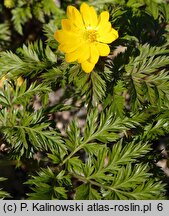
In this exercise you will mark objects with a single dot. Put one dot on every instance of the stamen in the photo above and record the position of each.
(90, 35)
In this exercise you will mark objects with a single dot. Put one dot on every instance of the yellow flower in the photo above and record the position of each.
(9, 3)
(2, 80)
(19, 81)
(84, 36)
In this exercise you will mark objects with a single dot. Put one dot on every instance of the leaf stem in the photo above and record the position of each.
(85, 180)
(109, 188)
(72, 153)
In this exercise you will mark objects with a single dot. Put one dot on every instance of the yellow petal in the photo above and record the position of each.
(94, 54)
(103, 18)
(68, 47)
(104, 27)
(85, 53)
(87, 66)
(94, 18)
(103, 49)
(66, 24)
(71, 57)
(81, 52)
(115, 33)
(89, 15)
(74, 15)
(108, 37)
(63, 36)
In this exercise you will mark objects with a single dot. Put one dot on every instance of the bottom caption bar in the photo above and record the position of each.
(83, 207)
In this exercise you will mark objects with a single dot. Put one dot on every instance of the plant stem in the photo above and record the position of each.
(72, 153)
(109, 188)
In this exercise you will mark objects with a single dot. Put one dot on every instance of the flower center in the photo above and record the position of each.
(90, 35)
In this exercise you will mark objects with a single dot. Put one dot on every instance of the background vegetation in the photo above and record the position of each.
(115, 137)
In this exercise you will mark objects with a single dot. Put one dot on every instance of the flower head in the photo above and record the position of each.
(9, 3)
(19, 81)
(84, 36)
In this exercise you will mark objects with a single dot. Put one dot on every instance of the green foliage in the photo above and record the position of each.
(23, 130)
(50, 185)
(117, 173)
(90, 85)
(145, 21)
(20, 16)
(3, 194)
(117, 100)
(4, 35)
(146, 77)
(118, 112)
(24, 11)
(29, 61)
